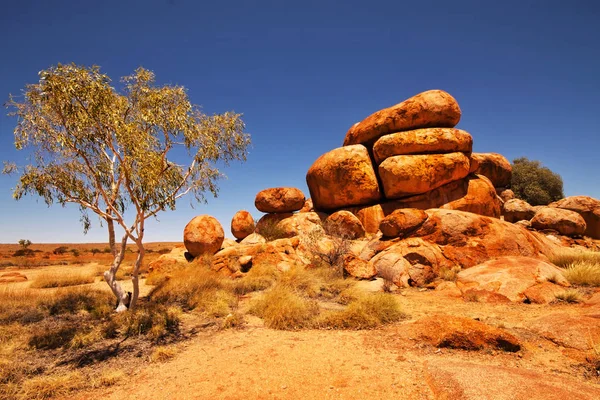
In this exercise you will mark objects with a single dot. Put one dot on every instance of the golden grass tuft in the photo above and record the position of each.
(366, 312)
(163, 353)
(449, 274)
(51, 386)
(565, 257)
(583, 273)
(108, 377)
(45, 281)
(569, 296)
(282, 308)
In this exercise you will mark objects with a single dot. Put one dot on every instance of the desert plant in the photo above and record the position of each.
(565, 257)
(282, 308)
(163, 353)
(449, 274)
(569, 296)
(90, 150)
(53, 281)
(61, 250)
(583, 273)
(327, 250)
(535, 183)
(271, 229)
(367, 312)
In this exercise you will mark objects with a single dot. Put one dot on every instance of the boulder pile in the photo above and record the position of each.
(408, 156)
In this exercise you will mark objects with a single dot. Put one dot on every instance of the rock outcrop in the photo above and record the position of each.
(494, 166)
(565, 222)
(434, 108)
(406, 156)
(518, 279)
(203, 235)
(242, 224)
(588, 208)
(515, 210)
(279, 200)
(402, 222)
(343, 177)
(345, 224)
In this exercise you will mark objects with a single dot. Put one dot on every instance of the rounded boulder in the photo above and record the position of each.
(203, 235)
(517, 210)
(565, 222)
(242, 224)
(494, 166)
(345, 224)
(279, 200)
(402, 222)
(422, 141)
(404, 176)
(433, 108)
(343, 177)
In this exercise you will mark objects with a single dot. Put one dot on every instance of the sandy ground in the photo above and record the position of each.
(260, 363)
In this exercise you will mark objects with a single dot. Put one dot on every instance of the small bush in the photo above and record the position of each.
(163, 353)
(71, 301)
(61, 250)
(282, 308)
(95, 250)
(55, 280)
(569, 296)
(271, 229)
(164, 251)
(583, 273)
(449, 274)
(367, 312)
(534, 183)
(154, 321)
(75, 252)
(330, 251)
(23, 253)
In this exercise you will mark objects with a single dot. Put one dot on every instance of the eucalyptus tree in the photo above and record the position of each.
(118, 153)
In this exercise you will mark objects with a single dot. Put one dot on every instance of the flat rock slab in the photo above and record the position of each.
(573, 331)
(469, 381)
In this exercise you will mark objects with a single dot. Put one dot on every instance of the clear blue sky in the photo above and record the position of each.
(525, 73)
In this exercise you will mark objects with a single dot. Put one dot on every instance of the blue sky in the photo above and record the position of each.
(525, 73)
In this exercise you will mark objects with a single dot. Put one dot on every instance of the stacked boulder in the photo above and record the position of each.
(405, 156)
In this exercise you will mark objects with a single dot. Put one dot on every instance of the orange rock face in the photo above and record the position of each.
(358, 268)
(512, 277)
(495, 167)
(434, 108)
(343, 177)
(402, 222)
(588, 208)
(517, 210)
(473, 194)
(404, 176)
(422, 141)
(203, 235)
(279, 200)
(565, 222)
(345, 224)
(242, 224)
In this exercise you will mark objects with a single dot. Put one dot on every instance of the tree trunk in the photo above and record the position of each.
(123, 298)
(135, 273)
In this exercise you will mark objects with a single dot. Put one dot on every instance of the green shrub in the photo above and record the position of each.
(61, 250)
(535, 183)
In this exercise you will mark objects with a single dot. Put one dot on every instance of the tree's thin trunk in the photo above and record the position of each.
(111, 236)
(135, 273)
(111, 274)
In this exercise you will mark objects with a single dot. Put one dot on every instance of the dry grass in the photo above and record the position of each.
(449, 274)
(108, 377)
(583, 273)
(567, 257)
(282, 308)
(45, 281)
(367, 312)
(163, 353)
(569, 296)
(52, 386)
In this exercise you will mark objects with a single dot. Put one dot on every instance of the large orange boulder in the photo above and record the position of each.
(344, 224)
(517, 210)
(422, 141)
(402, 222)
(242, 224)
(512, 277)
(588, 208)
(434, 108)
(474, 194)
(203, 235)
(565, 222)
(343, 177)
(469, 239)
(494, 166)
(403, 176)
(279, 200)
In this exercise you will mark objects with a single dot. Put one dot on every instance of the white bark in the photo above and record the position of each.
(110, 277)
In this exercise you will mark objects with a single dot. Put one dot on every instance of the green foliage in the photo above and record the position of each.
(535, 183)
(24, 243)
